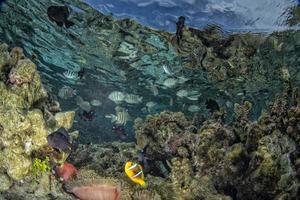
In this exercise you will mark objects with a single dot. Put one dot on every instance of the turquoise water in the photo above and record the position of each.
(95, 48)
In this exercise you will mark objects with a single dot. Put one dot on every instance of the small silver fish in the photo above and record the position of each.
(96, 102)
(182, 80)
(84, 105)
(167, 70)
(150, 105)
(182, 93)
(194, 108)
(193, 98)
(170, 82)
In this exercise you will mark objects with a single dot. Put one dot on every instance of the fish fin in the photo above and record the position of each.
(59, 23)
(68, 23)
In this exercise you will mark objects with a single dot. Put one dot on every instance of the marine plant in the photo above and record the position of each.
(39, 167)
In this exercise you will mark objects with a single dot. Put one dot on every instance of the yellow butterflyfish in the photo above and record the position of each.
(135, 172)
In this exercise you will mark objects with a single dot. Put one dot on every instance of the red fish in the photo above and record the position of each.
(66, 171)
(97, 192)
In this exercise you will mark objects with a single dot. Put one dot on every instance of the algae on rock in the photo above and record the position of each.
(22, 125)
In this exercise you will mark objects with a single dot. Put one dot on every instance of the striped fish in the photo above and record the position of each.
(135, 172)
(133, 99)
(116, 97)
(71, 75)
(121, 118)
(66, 92)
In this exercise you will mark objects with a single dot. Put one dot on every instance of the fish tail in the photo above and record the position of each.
(68, 23)
(108, 116)
(143, 184)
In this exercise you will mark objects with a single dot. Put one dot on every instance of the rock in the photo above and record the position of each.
(23, 127)
(65, 119)
(17, 165)
(5, 182)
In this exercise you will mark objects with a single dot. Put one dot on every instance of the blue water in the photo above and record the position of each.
(234, 15)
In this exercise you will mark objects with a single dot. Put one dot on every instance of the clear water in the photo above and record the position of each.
(59, 50)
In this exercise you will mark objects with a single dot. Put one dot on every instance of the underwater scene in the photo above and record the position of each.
(149, 100)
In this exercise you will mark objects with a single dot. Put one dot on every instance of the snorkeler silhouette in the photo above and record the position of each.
(179, 28)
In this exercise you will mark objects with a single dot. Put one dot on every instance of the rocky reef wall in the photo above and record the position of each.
(27, 115)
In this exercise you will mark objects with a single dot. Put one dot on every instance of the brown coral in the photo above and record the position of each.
(22, 73)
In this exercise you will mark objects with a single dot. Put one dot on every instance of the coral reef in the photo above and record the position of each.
(243, 160)
(187, 158)
(162, 134)
(23, 127)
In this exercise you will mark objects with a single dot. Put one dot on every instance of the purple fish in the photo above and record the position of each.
(60, 140)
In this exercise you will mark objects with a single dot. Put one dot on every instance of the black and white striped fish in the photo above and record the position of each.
(71, 75)
(121, 118)
(133, 99)
(116, 97)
